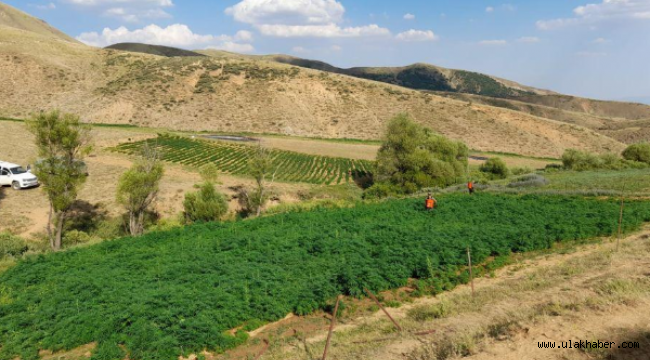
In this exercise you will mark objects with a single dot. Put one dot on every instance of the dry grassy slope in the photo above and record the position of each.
(14, 18)
(608, 109)
(251, 95)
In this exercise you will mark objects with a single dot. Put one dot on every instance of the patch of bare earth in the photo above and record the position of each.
(25, 212)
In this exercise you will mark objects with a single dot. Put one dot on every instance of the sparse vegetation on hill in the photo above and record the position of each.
(154, 50)
(180, 292)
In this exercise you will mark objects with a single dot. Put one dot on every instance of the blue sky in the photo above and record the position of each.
(592, 48)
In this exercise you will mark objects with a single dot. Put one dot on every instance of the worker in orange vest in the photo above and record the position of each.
(430, 202)
(470, 187)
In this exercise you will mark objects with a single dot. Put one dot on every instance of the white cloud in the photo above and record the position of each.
(244, 36)
(324, 31)
(601, 41)
(178, 35)
(528, 39)
(489, 9)
(162, 3)
(604, 11)
(287, 12)
(128, 10)
(417, 35)
(409, 16)
(493, 42)
(233, 47)
(299, 18)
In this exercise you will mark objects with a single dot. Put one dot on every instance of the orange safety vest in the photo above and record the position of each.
(430, 203)
(470, 185)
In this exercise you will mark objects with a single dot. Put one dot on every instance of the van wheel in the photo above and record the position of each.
(15, 185)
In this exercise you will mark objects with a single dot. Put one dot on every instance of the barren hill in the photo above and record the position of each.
(14, 18)
(435, 78)
(153, 49)
(233, 93)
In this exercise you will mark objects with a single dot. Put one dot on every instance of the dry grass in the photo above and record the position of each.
(257, 96)
(105, 169)
(589, 294)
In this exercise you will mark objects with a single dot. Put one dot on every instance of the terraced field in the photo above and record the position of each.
(233, 158)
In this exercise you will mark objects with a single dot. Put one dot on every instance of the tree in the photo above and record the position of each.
(62, 142)
(207, 204)
(261, 167)
(138, 187)
(638, 152)
(413, 156)
(495, 168)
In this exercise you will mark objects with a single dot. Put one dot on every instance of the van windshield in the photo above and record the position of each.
(18, 170)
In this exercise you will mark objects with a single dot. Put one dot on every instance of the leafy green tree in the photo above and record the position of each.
(261, 167)
(62, 142)
(638, 152)
(206, 204)
(413, 156)
(496, 168)
(138, 187)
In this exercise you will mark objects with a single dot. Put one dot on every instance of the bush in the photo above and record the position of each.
(638, 152)
(521, 170)
(495, 168)
(11, 246)
(75, 237)
(583, 161)
(205, 205)
(381, 190)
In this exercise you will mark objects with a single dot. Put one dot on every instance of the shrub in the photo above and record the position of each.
(11, 246)
(381, 190)
(205, 205)
(521, 170)
(638, 152)
(583, 161)
(495, 168)
(75, 237)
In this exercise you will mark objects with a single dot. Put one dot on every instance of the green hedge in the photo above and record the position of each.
(185, 288)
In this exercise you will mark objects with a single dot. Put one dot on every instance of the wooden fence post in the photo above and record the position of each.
(372, 296)
(471, 276)
(332, 324)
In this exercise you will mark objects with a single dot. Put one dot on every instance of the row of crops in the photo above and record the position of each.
(181, 291)
(232, 158)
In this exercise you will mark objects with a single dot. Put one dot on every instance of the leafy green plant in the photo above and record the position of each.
(184, 290)
(495, 168)
(638, 152)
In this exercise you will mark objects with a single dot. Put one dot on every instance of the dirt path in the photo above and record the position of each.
(588, 294)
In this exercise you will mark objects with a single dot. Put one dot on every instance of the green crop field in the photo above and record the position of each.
(232, 158)
(181, 291)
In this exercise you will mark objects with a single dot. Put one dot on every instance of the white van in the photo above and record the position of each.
(15, 176)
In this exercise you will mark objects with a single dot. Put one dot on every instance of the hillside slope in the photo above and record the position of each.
(153, 49)
(434, 78)
(14, 18)
(234, 94)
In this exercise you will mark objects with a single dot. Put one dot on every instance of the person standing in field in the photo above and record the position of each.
(430, 202)
(470, 187)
